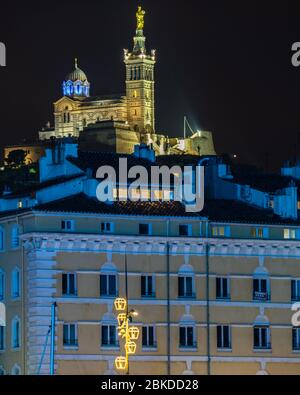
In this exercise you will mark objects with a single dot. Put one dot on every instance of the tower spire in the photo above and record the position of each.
(76, 63)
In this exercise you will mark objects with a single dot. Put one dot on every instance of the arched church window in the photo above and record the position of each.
(84, 122)
(139, 73)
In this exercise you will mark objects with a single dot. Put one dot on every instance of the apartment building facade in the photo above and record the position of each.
(212, 297)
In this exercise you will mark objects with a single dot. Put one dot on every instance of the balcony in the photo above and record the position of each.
(261, 296)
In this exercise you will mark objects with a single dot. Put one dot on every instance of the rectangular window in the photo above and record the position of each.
(222, 288)
(15, 240)
(16, 334)
(148, 339)
(109, 336)
(70, 335)
(69, 284)
(108, 285)
(147, 286)
(296, 339)
(260, 289)
(2, 328)
(185, 230)
(260, 233)
(186, 336)
(295, 290)
(185, 287)
(289, 233)
(1, 240)
(144, 229)
(262, 338)
(2, 285)
(106, 227)
(223, 337)
(218, 231)
(67, 225)
(16, 284)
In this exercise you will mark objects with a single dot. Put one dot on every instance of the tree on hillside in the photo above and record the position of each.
(16, 158)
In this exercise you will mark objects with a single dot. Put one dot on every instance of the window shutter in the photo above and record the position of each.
(218, 286)
(64, 284)
(256, 285)
(143, 286)
(182, 336)
(112, 334)
(293, 290)
(219, 337)
(103, 285)
(226, 336)
(151, 335)
(65, 334)
(189, 286)
(225, 287)
(256, 337)
(112, 285)
(104, 335)
(144, 336)
(150, 285)
(180, 286)
(190, 336)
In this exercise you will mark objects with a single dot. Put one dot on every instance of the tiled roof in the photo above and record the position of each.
(214, 210)
(101, 98)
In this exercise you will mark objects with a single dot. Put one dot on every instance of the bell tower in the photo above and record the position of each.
(140, 81)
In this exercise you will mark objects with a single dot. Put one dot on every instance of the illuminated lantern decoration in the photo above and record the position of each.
(120, 304)
(134, 333)
(121, 319)
(121, 363)
(130, 347)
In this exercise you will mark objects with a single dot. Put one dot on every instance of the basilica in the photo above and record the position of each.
(117, 123)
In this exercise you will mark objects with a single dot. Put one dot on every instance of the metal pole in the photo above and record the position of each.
(208, 310)
(168, 302)
(52, 351)
(44, 351)
(127, 316)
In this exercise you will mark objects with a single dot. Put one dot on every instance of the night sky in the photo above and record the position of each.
(224, 64)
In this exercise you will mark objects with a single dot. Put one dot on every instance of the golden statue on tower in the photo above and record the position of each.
(140, 15)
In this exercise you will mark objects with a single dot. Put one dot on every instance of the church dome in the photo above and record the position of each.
(76, 83)
(76, 75)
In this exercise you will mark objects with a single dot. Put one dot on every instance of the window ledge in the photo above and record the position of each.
(15, 349)
(296, 351)
(262, 350)
(110, 348)
(71, 348)
(149, 349)
(188, 349)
